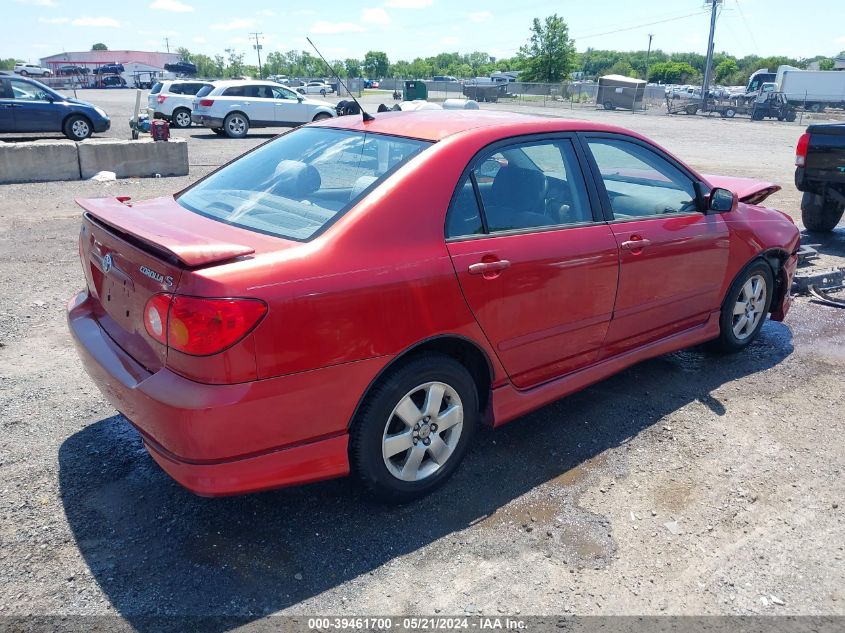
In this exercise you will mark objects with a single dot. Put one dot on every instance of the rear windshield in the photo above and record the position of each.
(156, 89)
(298, 184)
(205, 90)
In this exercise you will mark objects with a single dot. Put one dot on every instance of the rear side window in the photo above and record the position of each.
(156, 89)
(205, 90)
(295, 186)
(234, 91)
(523, 186)
(175, 89)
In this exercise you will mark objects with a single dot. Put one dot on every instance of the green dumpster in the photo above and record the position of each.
(415, 90)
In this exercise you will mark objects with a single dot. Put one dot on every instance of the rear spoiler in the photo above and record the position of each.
(748, 190)
(152, 228)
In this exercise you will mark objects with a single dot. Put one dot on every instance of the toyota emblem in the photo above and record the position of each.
(107, 263)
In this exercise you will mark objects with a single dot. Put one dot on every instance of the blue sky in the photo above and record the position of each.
(405, 29)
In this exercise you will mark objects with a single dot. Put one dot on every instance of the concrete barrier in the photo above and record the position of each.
(39, 161)
(133, 159)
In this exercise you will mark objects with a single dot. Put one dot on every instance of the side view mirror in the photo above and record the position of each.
(721, 200)
(300, 98)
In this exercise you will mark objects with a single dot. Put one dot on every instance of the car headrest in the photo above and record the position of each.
(295, 178)
(519, 188)
(360, 184)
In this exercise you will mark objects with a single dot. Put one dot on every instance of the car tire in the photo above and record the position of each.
(818, 214)
(744, 310)
(395, 440)
(181, 118)
(322, 92)
(77, 128)
(730, 113)
(321, 116)
(219, 131)
(236, 125)
(24, 73)
(608, 105)
(790, 116)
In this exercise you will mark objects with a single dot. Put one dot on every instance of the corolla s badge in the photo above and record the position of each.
(107, 263)
(162, 279)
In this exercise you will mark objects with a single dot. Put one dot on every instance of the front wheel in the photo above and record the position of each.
(321, 116)
(414, 428)
(235, 125)
(608, 105)
(730, 113)
(24, 73)
(745, 308)
(77, 128)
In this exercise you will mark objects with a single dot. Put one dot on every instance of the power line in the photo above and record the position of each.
(747, 27)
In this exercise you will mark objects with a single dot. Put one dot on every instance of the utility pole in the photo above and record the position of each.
(167, 43)
(257, 48)
(647, 56)
(709, 62)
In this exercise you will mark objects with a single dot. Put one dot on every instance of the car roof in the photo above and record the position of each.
(435, 125)
(243, 82)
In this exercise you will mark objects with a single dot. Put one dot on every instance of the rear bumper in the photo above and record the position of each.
(207, 121)
(228, 439)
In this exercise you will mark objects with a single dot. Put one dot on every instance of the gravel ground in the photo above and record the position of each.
(689, 484)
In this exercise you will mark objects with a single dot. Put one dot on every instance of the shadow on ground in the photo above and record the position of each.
(156, 549)
(832, 243)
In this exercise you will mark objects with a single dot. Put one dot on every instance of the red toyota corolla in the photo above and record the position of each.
(360, 295)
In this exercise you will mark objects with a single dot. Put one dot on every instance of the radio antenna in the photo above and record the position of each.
(366, 117)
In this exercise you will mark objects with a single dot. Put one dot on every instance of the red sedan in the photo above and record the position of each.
(361, 295)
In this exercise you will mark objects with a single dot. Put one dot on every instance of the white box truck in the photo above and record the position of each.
(813, 89)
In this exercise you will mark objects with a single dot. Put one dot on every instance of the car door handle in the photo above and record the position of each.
(636, 244)
(488, 267)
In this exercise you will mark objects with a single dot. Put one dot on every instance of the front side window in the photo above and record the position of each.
(281, 93)
(639, 182)
(527, 185)
(25, 91)
(298, 184)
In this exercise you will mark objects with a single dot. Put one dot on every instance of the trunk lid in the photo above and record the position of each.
(748, 190)
(130, 253)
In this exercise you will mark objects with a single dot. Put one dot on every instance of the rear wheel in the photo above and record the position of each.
(790, 116)
(745, 308)
(24, 73)
(608, 105)
(819, 214)
(235, 125)
(414, 428)
(77, 128)
(181, 118)
(692, 109)
(730, 113)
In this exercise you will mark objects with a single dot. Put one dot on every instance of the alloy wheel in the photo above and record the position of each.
(80, 129)
(236, 125)
(423, 431)
(183, 119)
(749, 307)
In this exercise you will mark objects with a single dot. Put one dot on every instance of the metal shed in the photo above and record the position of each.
(616, 91)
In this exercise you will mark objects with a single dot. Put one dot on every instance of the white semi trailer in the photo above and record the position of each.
(813, 89)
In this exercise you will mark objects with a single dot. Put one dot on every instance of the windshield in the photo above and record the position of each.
(298, 184)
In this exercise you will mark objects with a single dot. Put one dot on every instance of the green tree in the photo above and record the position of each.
(376, 65)
(236, 63)
(205, 65)
(353, 67)
(7, 64)
(672, 72)
(99, 46)
(826, 64)
(549, 55)
(622, 67)
(184, 54)
(219, 65)
(725, 70)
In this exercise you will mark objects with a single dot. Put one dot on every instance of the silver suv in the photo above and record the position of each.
(33, 70)
(232, 107)
(173, 101)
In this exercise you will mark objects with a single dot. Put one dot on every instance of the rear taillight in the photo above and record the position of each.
(801, 150)
(205, 103)
(161, 98)
(199, 326)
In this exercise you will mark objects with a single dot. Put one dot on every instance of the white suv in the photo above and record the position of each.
(173, 101)
(33, 70)
(232, 107)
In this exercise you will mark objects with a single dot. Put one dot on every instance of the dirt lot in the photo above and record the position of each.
(689, 484)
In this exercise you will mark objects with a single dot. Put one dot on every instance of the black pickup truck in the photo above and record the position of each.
(820, 174)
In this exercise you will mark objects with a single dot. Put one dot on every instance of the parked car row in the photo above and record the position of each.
(232, 107)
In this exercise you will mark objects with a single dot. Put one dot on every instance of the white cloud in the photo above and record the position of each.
(375, 16)
(479, 16)
(171, 5)
(101, 21)
(330, 28)
(54, 20)
(199, 39)
(234, 25)
(268, 12)
(38, 3)
(408, 4)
